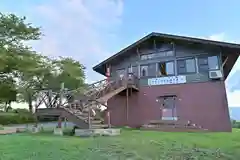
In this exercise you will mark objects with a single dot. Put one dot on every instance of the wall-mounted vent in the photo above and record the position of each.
(215, 74)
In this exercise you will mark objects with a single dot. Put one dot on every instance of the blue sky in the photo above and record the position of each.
(92, 30)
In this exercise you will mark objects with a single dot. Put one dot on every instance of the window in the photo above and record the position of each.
(135, 70)
(213, 62)
(203, 64)
(144, 57)
(120, 72)
(165, 68)
(130, 69)
(144, 70)
(208, 63)
(186, 66)
(158, 54)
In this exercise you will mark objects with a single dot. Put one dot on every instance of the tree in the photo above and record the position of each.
(14, 32)
(68, 71)
(31, 72)
(33, 76)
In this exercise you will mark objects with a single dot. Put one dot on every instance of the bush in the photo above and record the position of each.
(16, 118)
(18, 110)
(235, 124)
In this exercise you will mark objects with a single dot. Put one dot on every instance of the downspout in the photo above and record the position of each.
(139, 59)
(175, 59)
(108, 74)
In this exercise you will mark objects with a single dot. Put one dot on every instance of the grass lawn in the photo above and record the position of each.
(132, 144)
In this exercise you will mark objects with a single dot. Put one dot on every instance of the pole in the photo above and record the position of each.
(89, 118)
(127, 104)
(61, 94)
(108, 79)
(109, 119)
(59, 122)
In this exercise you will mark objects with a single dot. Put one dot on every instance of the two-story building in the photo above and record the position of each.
(180, 78)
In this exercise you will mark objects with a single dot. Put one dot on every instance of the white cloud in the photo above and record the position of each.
(82, 29)
(218, 37)
(232, 82)
(233, 98)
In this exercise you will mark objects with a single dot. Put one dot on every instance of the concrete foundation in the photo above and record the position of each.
(97, 132)
(58, 131)
(35, 129)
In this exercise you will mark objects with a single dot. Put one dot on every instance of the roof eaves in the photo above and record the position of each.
(124, 50)
(176, 37)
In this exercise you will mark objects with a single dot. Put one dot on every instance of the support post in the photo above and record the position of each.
(58, 130)
(108, 80)
(225, 61)
(109, 119)
(127, 104)
(61, 94)
(50, 95)
(59, 122)
(154, 44)
(65, 122)
(35, 114)
(89, 118)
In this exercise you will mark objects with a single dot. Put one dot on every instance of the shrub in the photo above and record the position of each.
(235, 124)
(16, 118)
(21, 111)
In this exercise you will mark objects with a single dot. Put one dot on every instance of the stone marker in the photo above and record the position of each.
(97, 132)
(58, 131)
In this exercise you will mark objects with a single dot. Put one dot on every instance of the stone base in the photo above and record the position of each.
(58, 131)
(35, 129)
(97, 132)
(20, 130)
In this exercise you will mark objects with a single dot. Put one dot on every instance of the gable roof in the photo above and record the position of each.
(101, 65)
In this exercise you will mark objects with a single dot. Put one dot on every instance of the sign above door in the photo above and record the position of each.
(167, 80)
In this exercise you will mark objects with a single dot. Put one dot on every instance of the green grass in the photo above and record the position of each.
(7, 114)
(132, 144)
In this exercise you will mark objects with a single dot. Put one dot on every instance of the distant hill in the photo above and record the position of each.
(234, 113)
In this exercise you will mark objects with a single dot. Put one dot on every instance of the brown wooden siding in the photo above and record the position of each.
(203, 103)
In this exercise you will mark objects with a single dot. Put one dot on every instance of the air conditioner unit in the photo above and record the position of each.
(215, 74)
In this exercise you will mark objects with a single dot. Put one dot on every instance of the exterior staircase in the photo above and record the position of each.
(173, 126)
(82, 108)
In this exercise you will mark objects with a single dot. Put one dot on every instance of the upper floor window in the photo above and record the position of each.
(160, 54)
(121, 72)
(144, 70)
(213, 62)
(208, 63)
(166, 68)
(130, 69)
(148, 70)
(186, 66)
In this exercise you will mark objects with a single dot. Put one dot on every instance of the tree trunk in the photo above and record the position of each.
(30, 106)
(8, 106)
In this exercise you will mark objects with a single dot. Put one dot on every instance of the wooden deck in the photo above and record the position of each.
(79, 111)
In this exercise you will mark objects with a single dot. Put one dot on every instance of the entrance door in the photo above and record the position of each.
(168, 107)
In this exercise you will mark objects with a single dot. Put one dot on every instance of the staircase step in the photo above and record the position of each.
(82, 114)
(99, 126)
(96, 122)
(169, 122)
